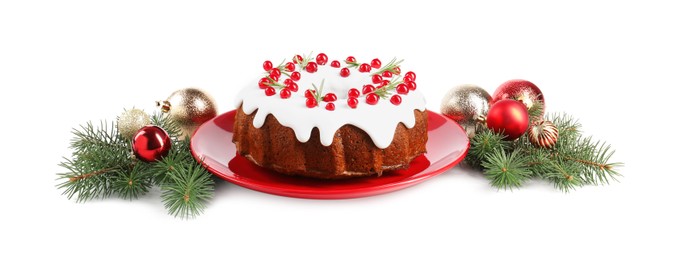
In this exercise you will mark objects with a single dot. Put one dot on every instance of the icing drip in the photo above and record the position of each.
(378, 121)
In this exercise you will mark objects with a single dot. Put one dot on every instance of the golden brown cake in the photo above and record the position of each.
(306, 117)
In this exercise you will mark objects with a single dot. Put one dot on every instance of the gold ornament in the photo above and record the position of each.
(543, 134)
(131, 121)
(467, 105)
(189, 107)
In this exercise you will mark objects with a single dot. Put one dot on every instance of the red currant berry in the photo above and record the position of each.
(387, 74)
(412, 86)
(376, 63)
(329, 97)
(353, 93)
(295, 76)
(345, 72)
(322, 59)
(402, 89)
(311, 102)
(293, 87)
(309, 93)
(335, 64)
(285, 93)
(372, 99)
(352, 102)
(350, 59)
(298, 59)
(270, 91)
(287, 82)
(267, 65)
(396, 100)
(290, 66)
(397, 71)
(330, 106)
(364, 67)
(376, 79)
(264, 82)
(275, 72)
(410, 74)
(311, 67)
(384, 83)
(408, 79)
(274, 77)
(368, 88)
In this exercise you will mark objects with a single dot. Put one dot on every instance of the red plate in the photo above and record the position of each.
(447, 146)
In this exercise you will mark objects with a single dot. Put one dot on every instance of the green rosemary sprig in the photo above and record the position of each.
(390, 66)
(386, 91)
(306, 58)
(317, 93)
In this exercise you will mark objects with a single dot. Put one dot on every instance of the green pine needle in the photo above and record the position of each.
(506, 171)
(187, 190)
(482, 144)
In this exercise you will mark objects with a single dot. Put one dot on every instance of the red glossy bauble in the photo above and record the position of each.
(508, 117)
(520, 90)
(151, 143)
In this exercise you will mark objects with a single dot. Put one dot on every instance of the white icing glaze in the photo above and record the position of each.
(378, 121)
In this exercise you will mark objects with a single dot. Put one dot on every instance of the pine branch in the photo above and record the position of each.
(506, 171)
(187, 190)
(483, 144)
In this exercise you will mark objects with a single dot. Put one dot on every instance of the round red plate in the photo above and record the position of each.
(447, 146)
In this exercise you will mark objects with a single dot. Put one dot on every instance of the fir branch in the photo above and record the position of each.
(187, 190)
(563, 176)
(482, 144)
(506, 171)
(132, 183)
(535, 111)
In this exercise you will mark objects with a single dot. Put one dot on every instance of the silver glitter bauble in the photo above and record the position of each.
(130, 121)
(467, 105)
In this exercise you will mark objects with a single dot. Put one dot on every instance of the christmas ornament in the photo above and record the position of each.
(508, 117)
(189, 107)
(131, 121)
(151, 143)
(466, 104)
(543, 134)
(520, 90)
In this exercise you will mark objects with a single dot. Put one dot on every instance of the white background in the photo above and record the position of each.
(612, 65)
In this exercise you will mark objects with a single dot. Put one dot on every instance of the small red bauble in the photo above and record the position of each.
(376, 79)
(295, 76)
(335, 64)
(330, 106)
(396, 100)
(508, 117)
(520, 90)
(387, 74)
(350, 59)
(311, 102)
(298, 59)
(368, 88)
(285, 93)
(353, 93)
(311, 67)
(151, 143)
(402, 89)
(364, 67)
(264, 83)
(410, 74)
(329, 97)
(376, 63)
(352, 102)
(270, 91)
(290, 66)
(372, 99)
(267, 65)
(322, 59)
(411, 86)
(345, 72)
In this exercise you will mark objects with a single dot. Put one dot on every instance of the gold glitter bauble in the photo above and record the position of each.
(543, 134)
(467, 105)
(189, 107)
(131, 121)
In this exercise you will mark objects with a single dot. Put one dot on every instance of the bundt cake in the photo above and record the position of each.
(331, 119)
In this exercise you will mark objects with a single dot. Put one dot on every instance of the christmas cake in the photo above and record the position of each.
(331, 119)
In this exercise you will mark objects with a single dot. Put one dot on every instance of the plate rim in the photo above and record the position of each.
(334, 193)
